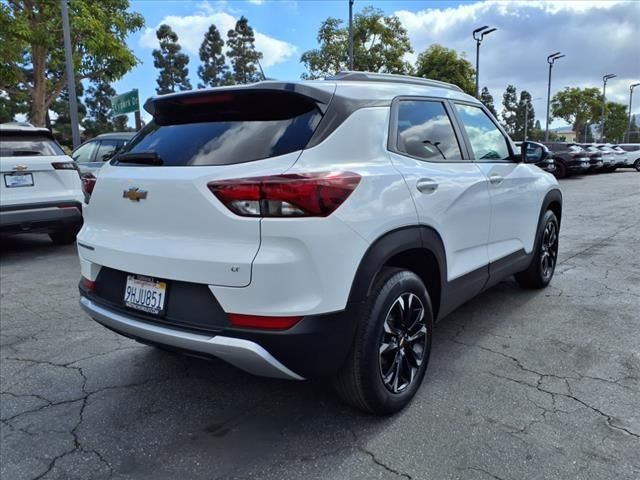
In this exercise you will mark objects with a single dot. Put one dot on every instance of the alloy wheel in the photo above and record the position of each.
(403, 343)
(549, 254)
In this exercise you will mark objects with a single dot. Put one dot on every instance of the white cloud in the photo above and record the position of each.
(256, 2)
(597, 38)
(191, 29)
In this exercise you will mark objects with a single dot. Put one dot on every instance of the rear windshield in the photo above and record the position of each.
(28, 146)
(224, 129)
(575, 148)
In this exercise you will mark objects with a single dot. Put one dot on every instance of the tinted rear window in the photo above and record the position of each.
(28, 146)
(227, 128)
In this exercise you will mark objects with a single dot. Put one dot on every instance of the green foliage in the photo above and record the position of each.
(379, 45)
(32, 53)
(510, 109)
(444, 64)
(172, 63)
(616, 122)
(61, 126)
(577, 106)
(98, 102)
(487, 99)
(242, 53)
(524, 111)
(213, 71)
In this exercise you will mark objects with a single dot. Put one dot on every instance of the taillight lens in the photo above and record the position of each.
(88, 184)
(88, 285)
(289, 195)
(266, 323)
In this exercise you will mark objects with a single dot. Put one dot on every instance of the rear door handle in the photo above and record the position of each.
(426, 185)
(495, 179)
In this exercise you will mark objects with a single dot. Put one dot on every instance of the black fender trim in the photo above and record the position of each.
(552, 196)
(389, 245)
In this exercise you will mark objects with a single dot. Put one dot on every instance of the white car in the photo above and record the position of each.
(40, 189)
(314, 229)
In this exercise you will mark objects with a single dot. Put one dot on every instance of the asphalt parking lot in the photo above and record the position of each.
(521, 385)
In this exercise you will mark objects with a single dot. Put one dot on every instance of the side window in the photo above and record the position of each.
(84, 154)
(487, 142)
(106, 150)
(425, 131)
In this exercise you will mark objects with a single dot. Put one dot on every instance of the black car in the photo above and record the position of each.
(569, 158)
(547, 163)
(92, 154)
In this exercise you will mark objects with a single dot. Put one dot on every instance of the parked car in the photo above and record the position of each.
(40, 187)
(615, 159)
(547, 163)
(633, 150)
(314, 229)
(569, 158)
(92, 154)
(594, 152)
(626, 157)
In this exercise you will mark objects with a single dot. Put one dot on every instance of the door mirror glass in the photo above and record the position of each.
(532, 152)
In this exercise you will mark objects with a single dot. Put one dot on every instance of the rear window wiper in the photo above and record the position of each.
(143, 158)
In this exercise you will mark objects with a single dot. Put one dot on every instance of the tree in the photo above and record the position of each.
(98, 101)
(536, 132)
(444, 64)
(32, 53)
(524, 111)
(379, 45)
(577, 106)
(213, 71)
(242, 53)
(61, 126)
(617, 122)
(509, 109)
(487, 99)
(172, 63)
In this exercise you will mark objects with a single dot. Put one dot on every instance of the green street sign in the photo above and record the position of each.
(125, 103)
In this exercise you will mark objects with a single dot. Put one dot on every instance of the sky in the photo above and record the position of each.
(597, 37)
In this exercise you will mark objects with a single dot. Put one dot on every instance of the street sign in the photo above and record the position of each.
(125, 103)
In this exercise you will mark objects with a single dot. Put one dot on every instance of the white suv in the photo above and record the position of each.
(40, 190)
(314, 229)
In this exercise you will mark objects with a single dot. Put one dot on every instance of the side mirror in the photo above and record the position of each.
(532, 152)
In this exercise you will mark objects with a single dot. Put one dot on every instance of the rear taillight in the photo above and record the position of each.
(290, 195)
(267, 323)
(64, 165)
(88, 285)
(88, 184)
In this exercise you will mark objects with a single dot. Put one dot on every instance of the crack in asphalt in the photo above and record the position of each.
(541, 376)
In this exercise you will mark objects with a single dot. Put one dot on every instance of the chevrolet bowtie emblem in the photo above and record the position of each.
(134, 194)
(20, 168)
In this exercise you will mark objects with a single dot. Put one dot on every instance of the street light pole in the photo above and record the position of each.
(71, 79)
(550, 59)
(351, 34)
(604, 101)
(478, 35)
(630, 103)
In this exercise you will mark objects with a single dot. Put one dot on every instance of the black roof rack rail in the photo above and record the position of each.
(390, 77)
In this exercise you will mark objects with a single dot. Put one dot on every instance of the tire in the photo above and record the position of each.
(64, 237)
(561, 169)
(360, 381)
(540, 271)
(636, 165)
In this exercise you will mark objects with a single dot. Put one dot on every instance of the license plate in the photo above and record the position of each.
(12, 180)
(146, 294)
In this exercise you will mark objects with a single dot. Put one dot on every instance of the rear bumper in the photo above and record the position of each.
(577, 165)
(46, 216)
(315, 347)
